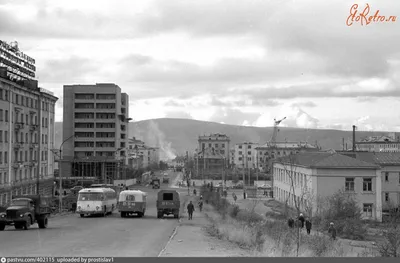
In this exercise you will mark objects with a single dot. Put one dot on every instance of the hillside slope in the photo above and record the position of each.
(176, 136)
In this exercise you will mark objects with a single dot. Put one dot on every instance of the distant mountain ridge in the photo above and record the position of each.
(176, 136)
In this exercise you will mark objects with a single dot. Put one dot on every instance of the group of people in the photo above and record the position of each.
(190, 207)
(306, 222)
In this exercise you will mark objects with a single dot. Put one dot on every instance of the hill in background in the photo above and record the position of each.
(176, 136)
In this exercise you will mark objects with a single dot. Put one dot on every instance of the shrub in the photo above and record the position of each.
(233, 211)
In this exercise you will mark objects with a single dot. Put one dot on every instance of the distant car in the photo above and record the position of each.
(165, 174)
(77, 188)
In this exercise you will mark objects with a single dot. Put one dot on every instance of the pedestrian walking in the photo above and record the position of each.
(194, 192)
(332, 231)
(308, 225)
(301, 219)
(291, 222)
(201, 205)
(244, 195)
(190, 208)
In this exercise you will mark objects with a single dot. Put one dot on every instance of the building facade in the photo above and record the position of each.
(246, 155)
(384, 143)
(266, 153)
(213, 155)
(95, 133)
(141, 155)
(318, 175)
(27, 134)
(390, 168)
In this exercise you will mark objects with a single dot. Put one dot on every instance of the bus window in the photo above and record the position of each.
(91, 197)
(130, 198)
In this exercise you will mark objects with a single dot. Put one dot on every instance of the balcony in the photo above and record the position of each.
(33, 145)
(33, 164)
(17, 145)
(17, 165)
(33, 127)
(18, 126)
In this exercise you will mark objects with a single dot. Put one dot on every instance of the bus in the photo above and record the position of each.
(100, 201)
(116, 188)
(132, 202)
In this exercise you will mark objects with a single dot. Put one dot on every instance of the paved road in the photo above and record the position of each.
(94, 236)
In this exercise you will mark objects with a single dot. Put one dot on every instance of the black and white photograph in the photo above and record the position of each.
(199, 129)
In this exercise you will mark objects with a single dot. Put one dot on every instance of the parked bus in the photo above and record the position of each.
(132, 202)
(101, 201)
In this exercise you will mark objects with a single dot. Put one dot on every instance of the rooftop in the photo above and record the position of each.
(326, 160)
(289, 145)
(380, 158)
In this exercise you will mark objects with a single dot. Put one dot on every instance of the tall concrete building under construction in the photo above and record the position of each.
(95, 133)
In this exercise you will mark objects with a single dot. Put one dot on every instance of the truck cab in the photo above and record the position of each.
(156, 183)
(25, 211)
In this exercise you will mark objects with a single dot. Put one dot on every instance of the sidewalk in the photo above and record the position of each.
(191, 240)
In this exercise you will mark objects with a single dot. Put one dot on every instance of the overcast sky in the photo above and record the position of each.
(239, 62)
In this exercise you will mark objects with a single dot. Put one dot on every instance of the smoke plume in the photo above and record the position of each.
(154, 137)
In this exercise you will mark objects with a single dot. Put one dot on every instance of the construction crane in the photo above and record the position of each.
(275, 132)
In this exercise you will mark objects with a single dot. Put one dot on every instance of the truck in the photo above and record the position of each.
(25, 211)
(156, 183)
(165, 180)
(168, 203)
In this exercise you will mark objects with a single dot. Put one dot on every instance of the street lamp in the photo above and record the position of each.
(60, 172)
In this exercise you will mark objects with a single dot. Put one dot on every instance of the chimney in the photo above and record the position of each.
(354, 138)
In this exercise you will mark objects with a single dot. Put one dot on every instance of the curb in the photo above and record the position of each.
(169, 240)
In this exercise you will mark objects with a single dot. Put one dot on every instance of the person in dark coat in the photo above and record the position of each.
(301, 219)
(291, 222)
(332, 231)
(190, 208)
(308, 225)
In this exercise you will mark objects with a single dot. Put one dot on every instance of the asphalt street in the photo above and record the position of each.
(111, 236)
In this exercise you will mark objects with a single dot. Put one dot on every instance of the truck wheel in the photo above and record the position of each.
(2, 227)
(159, 215)
(27, 223)
(82, 215)
(140, 214)
(18, 226)
(123, 214)
(43, 221)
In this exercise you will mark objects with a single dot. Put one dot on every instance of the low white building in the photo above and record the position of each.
(319, 175)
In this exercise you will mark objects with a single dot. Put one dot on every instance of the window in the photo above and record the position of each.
(6, 117)
(386, 197)
(1, 115)
(367, 185)
(349, 185)
(367, 210)
(399, 178)
(240, 146)
(386, 177)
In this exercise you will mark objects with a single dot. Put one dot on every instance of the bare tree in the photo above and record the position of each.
(390, 246)
(302, 198)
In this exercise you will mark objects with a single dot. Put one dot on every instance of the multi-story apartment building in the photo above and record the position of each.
(266, 153)
(213, 154)
(95, 132)
(27, 132)
(246, 155)
(141, 155)
(318, 175)
(384, 143)
(390, 168)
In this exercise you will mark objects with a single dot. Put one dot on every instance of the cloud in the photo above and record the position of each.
(295, 117)
(71, 69)
(232, 116)
(308, 104)
(178, 114)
